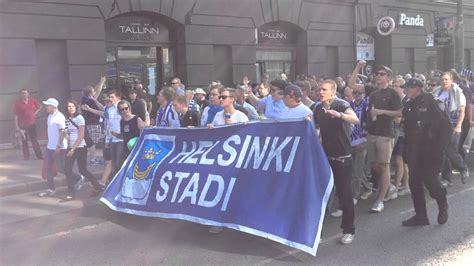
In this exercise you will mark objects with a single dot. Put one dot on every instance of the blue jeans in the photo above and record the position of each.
(50, 157)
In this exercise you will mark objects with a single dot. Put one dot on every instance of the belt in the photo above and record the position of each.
(341, 159)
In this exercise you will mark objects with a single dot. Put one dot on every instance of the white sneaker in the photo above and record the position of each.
(216, 229)
(404, 191)
(366, 194)
(391, 193)
(80, 183)
(377, 207)
(337, 213)
(347, 239)
(355, 202)
(47, 193)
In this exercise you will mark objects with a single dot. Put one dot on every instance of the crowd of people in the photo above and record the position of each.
(418, 124)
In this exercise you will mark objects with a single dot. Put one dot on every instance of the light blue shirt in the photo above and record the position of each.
(273, 109)
(300, 111)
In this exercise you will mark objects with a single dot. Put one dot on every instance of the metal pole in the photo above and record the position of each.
(459, 40)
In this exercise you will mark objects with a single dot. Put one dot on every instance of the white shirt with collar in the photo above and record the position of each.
(56, 123)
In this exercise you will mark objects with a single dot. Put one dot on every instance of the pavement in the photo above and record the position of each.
(18, 176)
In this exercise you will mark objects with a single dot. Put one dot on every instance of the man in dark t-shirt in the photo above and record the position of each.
(383, 107)
(333, 116)
(94, 130)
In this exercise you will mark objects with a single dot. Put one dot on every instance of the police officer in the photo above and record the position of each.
(427, 133)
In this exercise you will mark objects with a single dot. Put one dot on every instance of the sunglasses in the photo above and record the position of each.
(381, 74)
(279, 92)
(174, 83)
(223, 97)
(123, 109)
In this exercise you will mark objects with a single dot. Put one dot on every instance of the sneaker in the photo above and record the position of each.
(377, 207)
(455, 172)
(336, 213)
(216, 229)
(47, 193)
(443, 212)
(93, 161)
(67, 198)
(416, 221)
(391, 193)
(355, 202)
(366, 194)
(403, 191)
(80, 183)
(347, 239)
(446, 183)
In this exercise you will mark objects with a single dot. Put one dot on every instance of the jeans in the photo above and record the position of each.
(30, 132)
(80, 154)
(50, 157)
(342, 180)
(453, 159)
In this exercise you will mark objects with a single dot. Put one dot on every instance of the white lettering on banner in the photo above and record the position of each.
(249, 153)
(191, 190)
(411, 21)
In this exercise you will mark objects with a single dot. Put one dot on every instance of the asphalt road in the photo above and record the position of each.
(42, 231)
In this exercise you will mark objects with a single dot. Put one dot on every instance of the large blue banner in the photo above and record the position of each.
(268, 179)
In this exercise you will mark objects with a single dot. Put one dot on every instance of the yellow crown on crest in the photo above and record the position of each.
(150, 154)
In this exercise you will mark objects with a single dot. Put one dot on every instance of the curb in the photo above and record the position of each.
(36, 185)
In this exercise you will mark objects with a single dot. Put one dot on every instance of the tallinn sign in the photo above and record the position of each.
(136, 28)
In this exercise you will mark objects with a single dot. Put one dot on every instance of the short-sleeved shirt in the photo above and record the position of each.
(89, 117)
(300, 111)
(236, 117)
(335, 132)
(73, 131)
(56, 122)
(272, 109)
(26, 111)
(384, 99)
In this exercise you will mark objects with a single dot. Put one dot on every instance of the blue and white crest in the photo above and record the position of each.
(141, 169)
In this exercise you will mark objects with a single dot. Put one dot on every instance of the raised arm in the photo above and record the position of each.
(352, 81)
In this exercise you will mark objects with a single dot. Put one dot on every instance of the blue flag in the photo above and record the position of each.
(270, 179)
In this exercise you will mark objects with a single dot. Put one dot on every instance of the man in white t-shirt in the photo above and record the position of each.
(296, 109)
(57, 144)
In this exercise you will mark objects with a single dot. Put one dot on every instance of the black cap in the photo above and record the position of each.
(413, 83)
(279, 83)
(292, 90)
(384, 68)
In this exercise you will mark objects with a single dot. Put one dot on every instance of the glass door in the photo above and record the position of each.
(127, 65)
(275, 62)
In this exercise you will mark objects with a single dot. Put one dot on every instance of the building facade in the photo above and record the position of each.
(55, 48)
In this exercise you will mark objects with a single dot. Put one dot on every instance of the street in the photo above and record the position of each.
(42, 231)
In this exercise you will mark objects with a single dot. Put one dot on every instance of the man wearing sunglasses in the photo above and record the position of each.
(272, 106)
(384, 106)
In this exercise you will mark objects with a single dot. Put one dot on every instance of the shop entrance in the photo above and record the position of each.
(150, 66)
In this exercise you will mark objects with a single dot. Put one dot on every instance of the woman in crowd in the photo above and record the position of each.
(130, 126)
(75, 125)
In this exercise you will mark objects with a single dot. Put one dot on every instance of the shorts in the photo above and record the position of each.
(398, 149)
(106, 154)
(379, 149)
(95, 133)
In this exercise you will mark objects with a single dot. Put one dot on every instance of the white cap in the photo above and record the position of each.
(199, 90)
(51, 101)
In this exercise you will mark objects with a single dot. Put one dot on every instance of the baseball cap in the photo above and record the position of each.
(384, 68)
(292, 90)
(51, 101)
(413, 83)
(199, 90)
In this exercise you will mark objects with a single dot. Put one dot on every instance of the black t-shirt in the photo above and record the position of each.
(129, 129)
(335, 132)
(90, 118)
(385, 99)
(190, 118)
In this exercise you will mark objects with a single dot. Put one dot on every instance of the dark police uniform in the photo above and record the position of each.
(427, 133)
